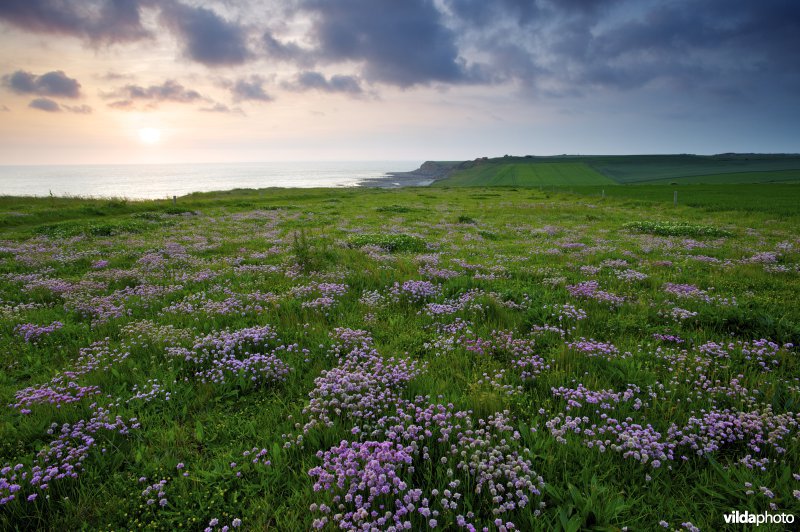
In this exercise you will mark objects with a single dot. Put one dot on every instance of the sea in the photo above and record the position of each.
(157, 181)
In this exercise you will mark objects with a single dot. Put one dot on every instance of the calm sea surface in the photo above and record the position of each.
(167, 180)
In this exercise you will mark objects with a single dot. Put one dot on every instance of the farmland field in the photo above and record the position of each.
(574, 170)
(424, 358)
(522, 174)
(776, 176)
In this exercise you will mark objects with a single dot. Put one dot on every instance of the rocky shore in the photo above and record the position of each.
(426, 174)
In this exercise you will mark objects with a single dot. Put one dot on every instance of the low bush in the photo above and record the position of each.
(676, 229)
(390, 242)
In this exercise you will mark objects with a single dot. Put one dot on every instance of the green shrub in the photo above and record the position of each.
(148, 215)
(389, 242)
(177, 210)
(109, 228)
(675, 229)
(394, 208)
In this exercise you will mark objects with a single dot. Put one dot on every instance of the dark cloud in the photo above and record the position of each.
(50, 84)
(250, 89)
(723, 37)
(399, 43)
(58, 84)
(45, 104)
(481, 12)
(169, 91)
(98, 21)
(310, 80)
(286, 51)
(21, 82)
(4, 109)
(525, 12)
(567, 47)
(206, 37)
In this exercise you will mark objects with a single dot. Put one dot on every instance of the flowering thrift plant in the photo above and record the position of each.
(415, 359)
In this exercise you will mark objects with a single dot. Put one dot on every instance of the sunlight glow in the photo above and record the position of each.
(149, 135)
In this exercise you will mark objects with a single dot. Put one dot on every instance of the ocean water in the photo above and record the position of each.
(154, 181)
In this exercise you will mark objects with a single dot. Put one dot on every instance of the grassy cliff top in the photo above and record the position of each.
(625, 169)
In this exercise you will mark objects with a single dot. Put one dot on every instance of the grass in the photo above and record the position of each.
(778, 198)
(478, 303)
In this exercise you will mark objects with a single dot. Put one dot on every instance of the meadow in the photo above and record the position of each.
(430, 358)
(776, 200)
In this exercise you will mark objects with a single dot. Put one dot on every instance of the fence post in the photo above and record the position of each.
(603, 194)
(675, 198)
(174, 200)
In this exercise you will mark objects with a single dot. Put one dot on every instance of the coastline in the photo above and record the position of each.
(396, 180)
(134, 182)
(159, 181)
(423, 176)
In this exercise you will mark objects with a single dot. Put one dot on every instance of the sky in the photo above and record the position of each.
(146, 81)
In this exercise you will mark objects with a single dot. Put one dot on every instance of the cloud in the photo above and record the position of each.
(52, 106)
(78, 109)
(97, 21)
(310, 80)
(206, 37)
(50, 84)
(113, 76)
(546, 47)
(4, 109)
(397, 43)
(222, 108)
(45, 104)
(123, 105)
(250, 89)
(169, 91)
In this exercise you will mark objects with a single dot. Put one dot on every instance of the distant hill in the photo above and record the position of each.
(574, 170)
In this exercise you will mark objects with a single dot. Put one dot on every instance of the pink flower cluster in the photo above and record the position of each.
(64, 456)
(31, 332)
(591, 290)
(224, 355)
(415, 291)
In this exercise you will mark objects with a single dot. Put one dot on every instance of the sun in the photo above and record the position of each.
(149, 135)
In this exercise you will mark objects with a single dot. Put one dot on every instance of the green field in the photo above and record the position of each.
(776, 199)
(644, 168)
(442, 357)
(526, 175)
(766, 176)
(626, 169)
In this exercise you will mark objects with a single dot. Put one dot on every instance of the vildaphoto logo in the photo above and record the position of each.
(746, 518)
